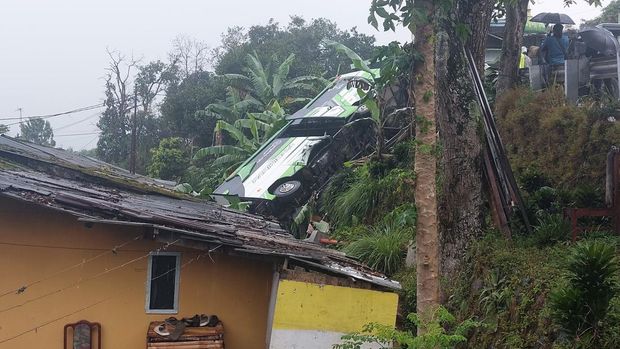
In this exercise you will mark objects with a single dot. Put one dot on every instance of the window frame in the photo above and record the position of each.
(177, 279)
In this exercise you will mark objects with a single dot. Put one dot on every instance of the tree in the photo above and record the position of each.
(130, 126)
(4, 128)
(273, 42)
(150, 82)
(609, 14)
(182, 102)
(170, 159)
(447, 159)
(425, 164)
(262, 85)
(190, 56)
(37, 131)
(260, 90)
(259, 126)
(516, 17)
(113, 143)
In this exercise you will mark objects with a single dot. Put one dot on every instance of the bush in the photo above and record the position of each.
(435, 337)
(580, 306)
(361, 196)
(532, 179)
(566, 143)
(383, 246)
(382, 249)
(170, 159)
(551, 229)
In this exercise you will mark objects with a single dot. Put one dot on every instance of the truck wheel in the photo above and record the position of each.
(287, 189)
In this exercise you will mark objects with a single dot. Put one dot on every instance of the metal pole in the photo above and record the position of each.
(132, 155)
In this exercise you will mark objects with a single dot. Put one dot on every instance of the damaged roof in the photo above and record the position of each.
(97, 192)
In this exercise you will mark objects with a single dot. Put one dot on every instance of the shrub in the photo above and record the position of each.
(579, 307)
(435, 337)
(532, 179)
(566, 143)
(364, 196)
(382, 248)
(551, 229)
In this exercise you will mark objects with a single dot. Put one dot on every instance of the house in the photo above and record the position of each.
(84, 240)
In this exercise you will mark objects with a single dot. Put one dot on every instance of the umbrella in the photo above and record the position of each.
(599, 39)
(552, 17)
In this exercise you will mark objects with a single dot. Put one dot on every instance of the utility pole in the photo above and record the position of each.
(132, 154)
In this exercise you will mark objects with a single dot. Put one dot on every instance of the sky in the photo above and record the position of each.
(53, 52)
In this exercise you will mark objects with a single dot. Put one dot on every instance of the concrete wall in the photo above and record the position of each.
(234, 288)
(315, 316)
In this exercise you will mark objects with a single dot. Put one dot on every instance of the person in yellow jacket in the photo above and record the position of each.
(524, 61)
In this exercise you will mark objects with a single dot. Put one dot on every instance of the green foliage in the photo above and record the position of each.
(274, 42)
(567, 144)
(262, 85)
(609, 14)
(436, 335)
(383, 246)
(247, 135)
(532, 179)
(551, 229)
(495, 294)
(364, 196)
(170, 159)
(580, 305)
(37, 131)
(183, 100)
(505, 285)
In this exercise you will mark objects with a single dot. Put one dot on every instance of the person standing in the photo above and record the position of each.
(554, 46)
(525, 61)
(553, 49)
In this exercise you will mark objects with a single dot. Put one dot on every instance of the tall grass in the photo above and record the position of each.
(382, 248)
(361, 197)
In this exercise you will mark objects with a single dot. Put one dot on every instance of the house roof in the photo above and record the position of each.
(97, 192)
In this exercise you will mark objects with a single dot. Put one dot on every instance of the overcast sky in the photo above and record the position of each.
(53, 52)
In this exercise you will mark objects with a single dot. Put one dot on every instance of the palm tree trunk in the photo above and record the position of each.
(425, 166)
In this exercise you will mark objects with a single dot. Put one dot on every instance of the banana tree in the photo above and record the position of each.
(247, 136)
(266, 84)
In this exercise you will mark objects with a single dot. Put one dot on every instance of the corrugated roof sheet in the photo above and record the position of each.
(95, 191)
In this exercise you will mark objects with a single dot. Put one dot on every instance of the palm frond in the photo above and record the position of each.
(229, 160)
(259, 78)
(218, 150)
(238, 81)
(259, 124)
(247, 103)
(281, 74)
(237, 134)
(221, 110)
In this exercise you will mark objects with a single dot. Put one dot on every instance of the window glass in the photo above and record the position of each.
(163, 279)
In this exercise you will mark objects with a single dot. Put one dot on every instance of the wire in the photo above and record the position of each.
(96, 303)
(81, 281)
(90, 107)
(54, 115)
(89, 142)
(78, 134)
(26, 286)
(77, 122)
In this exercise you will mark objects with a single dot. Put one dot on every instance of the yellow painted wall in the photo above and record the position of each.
(234, 288)
(308, 306)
